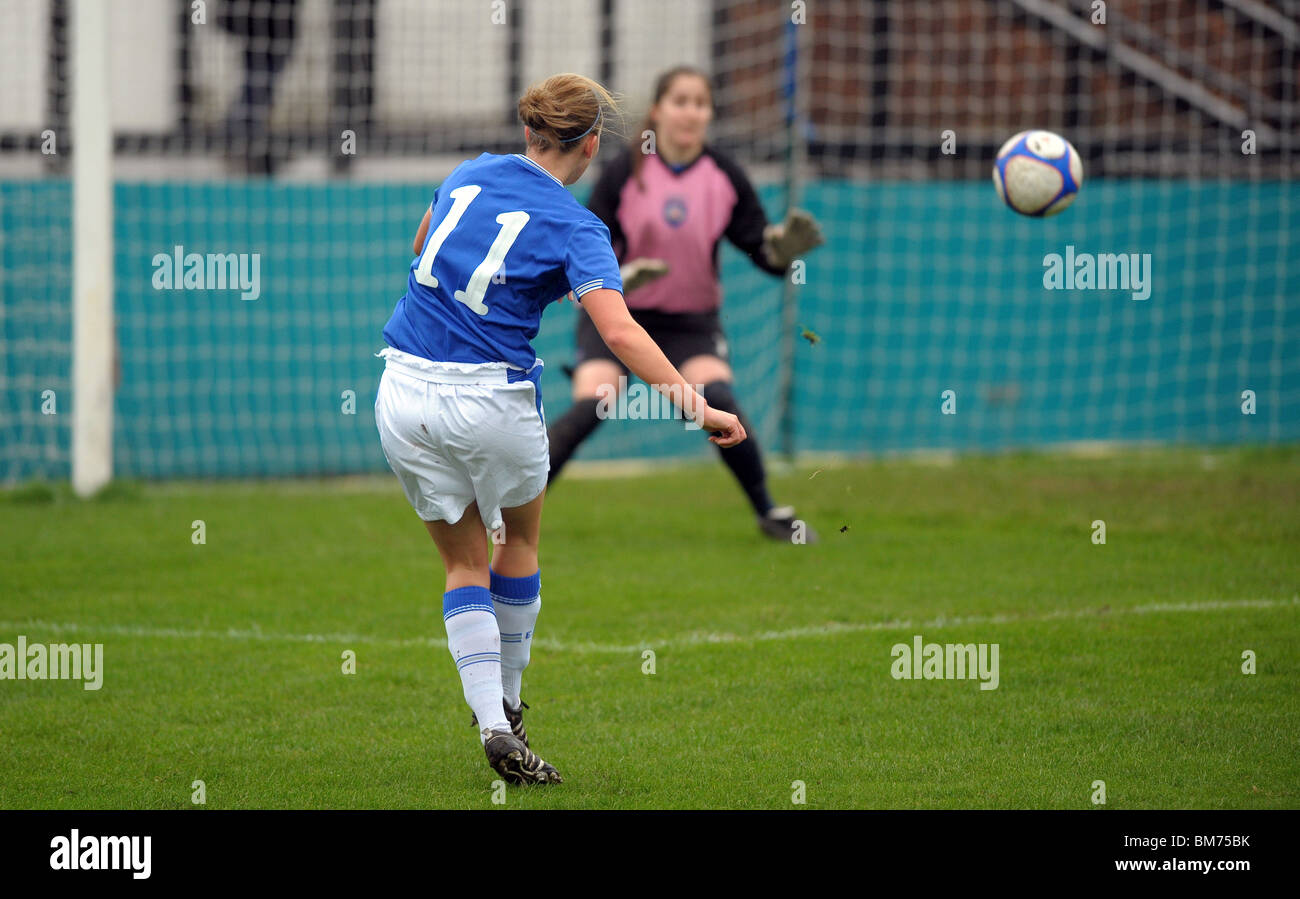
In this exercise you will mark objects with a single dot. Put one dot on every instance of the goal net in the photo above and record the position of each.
(291, 147)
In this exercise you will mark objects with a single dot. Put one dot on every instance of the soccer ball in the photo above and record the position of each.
(1038, 173)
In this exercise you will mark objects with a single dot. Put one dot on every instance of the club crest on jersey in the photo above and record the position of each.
(674, 211)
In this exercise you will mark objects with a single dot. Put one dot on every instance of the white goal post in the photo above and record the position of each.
(92, 251)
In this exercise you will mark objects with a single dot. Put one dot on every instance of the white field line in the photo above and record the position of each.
(681, 641)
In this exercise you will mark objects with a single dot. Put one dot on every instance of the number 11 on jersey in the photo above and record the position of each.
(511, 224)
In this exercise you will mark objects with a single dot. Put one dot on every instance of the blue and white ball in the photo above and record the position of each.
(1038, 173)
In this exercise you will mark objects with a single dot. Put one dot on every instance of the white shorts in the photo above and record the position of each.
(455, 433)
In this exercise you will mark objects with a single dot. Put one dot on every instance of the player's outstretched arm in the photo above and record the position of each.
(631, 344)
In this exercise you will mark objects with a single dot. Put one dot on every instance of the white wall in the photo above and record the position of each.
(436, 60)
(23, 49)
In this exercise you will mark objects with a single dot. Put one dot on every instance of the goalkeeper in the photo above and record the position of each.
(667, 212)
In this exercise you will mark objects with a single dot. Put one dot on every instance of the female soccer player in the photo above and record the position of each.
(459, 406)
(667, 211)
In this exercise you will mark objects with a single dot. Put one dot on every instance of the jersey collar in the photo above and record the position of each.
(539, 168)
(690, 165)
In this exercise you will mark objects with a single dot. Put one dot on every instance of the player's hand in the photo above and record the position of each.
(789, 240)
(729, 430)
(640, 272)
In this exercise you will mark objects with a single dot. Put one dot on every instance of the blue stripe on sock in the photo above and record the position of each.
(465, 599)
(516, 591)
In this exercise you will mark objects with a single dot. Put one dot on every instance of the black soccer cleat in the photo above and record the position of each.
(515, 762)
(780, 524)
(514, 716)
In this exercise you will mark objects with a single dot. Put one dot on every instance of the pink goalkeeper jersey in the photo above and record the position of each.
(680, 217)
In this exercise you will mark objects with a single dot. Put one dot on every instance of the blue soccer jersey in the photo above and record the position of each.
(505, 240)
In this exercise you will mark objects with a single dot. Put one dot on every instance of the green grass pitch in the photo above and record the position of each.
(1119, 662)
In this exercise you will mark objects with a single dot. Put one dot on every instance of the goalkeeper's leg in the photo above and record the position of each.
(576, 424)
(745, 460)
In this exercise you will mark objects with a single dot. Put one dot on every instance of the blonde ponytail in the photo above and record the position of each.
(565, 108)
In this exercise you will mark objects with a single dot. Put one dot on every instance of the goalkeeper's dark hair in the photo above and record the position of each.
(663, 84)
(565, 108)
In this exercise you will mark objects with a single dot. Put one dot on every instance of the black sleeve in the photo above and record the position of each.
(604, 199)
(748, 220)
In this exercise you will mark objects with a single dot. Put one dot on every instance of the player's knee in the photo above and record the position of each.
(596, 378)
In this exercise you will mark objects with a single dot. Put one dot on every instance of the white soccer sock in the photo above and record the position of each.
(475, 644)
(517, 601)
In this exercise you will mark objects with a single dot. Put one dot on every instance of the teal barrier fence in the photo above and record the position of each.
(922, 288)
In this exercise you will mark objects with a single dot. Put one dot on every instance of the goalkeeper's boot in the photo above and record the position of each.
(514, 716)
(780, 524)
(515, 762)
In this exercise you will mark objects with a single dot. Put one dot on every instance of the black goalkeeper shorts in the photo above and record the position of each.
(680, 335)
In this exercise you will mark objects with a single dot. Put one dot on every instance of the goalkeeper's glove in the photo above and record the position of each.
(640, 272)
(786, 242)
